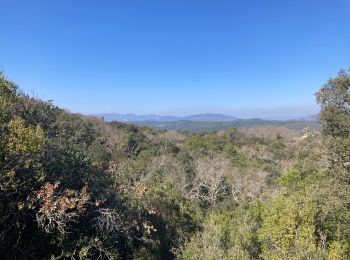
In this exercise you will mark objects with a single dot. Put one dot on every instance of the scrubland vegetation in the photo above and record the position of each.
(211, 126)
(75, 187)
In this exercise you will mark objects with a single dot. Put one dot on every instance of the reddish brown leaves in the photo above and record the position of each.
(140, 190)
(53, 201)
(58, 207)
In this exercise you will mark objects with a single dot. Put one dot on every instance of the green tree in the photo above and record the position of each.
(309, 219)
(334, 99)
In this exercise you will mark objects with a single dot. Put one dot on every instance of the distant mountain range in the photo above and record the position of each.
(156, 118)
(315, 117)
(209, 117)
(208, 122)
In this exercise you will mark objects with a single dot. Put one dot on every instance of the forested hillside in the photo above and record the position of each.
(212, 126)
(75, 187)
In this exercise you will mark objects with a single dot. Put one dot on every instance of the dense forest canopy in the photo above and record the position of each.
(75, 187)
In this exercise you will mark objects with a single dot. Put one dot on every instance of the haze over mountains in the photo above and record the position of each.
(200, 123)
(155, 118)
(208, 117)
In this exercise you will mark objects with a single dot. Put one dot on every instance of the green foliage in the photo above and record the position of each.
(287, 229)
(307, 223)
(204, 127)
(24, 139)
(295, 179)
(73, 186)
(227, 235)
(308, 219)
(334, 99)
(173, 217)
(210, 142)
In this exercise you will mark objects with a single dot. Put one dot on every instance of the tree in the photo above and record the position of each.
(309, 219)
(334, 99)
(227, 235)
(210, 182)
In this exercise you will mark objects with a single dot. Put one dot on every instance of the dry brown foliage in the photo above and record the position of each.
(57, 208)
(140, 190)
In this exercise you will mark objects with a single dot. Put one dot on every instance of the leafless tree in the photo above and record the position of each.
(109, 221)
(210, 182)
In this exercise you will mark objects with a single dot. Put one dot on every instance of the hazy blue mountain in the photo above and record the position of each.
(314, 117)
(209, 118)
(156, 118)
(136, 118)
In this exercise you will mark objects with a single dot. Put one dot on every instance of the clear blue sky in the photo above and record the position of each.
(178, 57)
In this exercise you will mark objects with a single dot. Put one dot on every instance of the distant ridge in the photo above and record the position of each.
(314, 117)
(209, 118)
(155, 118)
(200, 123)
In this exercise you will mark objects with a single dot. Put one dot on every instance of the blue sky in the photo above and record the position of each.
(176, 57)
